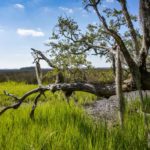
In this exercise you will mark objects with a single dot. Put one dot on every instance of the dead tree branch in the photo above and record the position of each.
(11, 95)
(101, 90)
(97, 89)
(35, 105)
(20, 100)
(41, 56)
(38, 71)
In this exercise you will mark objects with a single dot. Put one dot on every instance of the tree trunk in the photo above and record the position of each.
(119, 91)
(113, 65)
(142, 63)
(145, 23)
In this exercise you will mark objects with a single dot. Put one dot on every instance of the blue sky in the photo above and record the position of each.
(29, 23)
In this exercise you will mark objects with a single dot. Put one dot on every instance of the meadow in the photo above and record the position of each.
(59, 126)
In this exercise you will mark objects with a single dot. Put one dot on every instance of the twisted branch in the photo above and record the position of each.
(97, 89)
(20, 100)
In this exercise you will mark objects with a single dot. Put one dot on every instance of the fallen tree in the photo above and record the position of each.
(97, 89)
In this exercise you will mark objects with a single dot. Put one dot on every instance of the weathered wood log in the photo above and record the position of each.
(100, 90)
(97, 89)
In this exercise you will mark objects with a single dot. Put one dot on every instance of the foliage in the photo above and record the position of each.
(49, 76)
(90, 75)
(68, 40)
(59, 47)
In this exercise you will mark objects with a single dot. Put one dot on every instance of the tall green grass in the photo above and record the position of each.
(58, 126)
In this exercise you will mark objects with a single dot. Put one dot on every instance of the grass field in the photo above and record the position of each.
(58, 126)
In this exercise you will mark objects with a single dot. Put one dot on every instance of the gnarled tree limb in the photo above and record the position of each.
(130, 26)
(97, 89)
(43, 57)
(21, 99)
(134, 69)
(101, 90)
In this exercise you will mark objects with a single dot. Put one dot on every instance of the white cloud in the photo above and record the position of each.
(19, 6)
(67, 10)
(30, 32)
(110, 1)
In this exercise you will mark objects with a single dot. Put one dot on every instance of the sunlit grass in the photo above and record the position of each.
(58, 126)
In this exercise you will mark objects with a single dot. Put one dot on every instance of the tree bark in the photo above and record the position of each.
(134, 69)
(101, 90)
(130, 26)
(119, 91)
(113, 64)
(145, 21)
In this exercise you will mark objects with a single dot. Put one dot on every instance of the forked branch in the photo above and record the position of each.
(21, 99)
(41, 56)
(97, 89)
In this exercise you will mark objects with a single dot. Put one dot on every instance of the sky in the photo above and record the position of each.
(26, 24)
